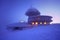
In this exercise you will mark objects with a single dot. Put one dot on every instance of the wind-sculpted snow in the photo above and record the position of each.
(49, 32)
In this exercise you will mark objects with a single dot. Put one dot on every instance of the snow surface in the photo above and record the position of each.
(50, 32)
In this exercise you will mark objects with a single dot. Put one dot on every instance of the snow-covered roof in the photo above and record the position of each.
(32, 11)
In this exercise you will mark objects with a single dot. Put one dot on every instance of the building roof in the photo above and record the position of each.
(32, 12)
(42, 16)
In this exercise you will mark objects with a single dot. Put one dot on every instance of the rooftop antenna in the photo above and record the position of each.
(31, 6)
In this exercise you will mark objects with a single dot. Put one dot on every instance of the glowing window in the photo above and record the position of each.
(40, 22)
(32, 22)
(45, 23)
(36, 23)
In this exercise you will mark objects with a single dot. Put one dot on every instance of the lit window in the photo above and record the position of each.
(32, 22)
(45, 23)
(36, 23)
(40, 22)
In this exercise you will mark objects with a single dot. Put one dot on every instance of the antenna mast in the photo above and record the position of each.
(31, 4)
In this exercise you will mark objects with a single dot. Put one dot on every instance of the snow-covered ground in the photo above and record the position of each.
(50, 32)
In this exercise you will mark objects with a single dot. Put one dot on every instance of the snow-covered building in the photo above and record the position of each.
(34, 17)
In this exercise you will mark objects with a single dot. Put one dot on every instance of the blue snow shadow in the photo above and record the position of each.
(50, 32)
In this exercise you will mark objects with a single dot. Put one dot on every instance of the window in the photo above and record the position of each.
(36, 23)
(45, 23)
(32, 22)
(40, 22)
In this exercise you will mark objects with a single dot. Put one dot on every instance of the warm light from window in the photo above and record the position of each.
(36, 23)
(40, 22)
(32, 22)
(45, 23)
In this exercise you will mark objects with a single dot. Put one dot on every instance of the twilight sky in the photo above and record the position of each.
(14, 11)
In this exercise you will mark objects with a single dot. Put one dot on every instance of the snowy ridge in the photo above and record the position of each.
(50, 32)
